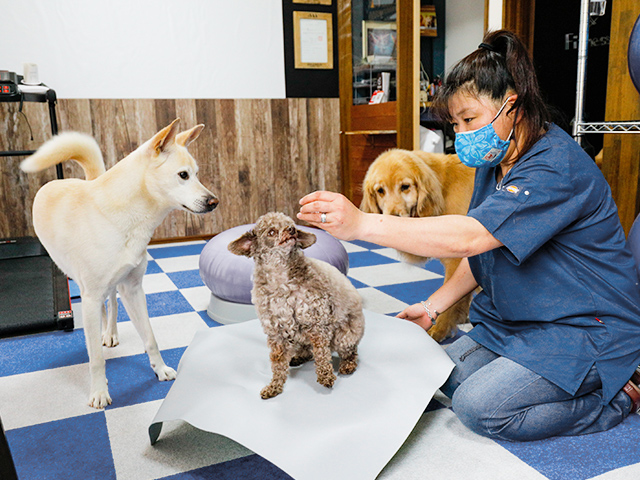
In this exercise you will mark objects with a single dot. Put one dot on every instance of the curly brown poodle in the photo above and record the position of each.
(307, 307)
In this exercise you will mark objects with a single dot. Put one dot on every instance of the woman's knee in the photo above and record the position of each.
(474, 408)
(488, 402)
(468, 357)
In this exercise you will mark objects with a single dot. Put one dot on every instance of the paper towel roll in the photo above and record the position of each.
(31, 74)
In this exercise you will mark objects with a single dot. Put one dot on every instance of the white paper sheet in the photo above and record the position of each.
(313, 433)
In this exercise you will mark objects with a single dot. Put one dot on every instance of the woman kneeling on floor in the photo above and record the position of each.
(556, 325)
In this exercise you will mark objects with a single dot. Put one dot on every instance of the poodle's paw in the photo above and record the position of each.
(164, 372)
(110, 339)
(347, 367)
(327, 380)
(271, 391)
(99, 399)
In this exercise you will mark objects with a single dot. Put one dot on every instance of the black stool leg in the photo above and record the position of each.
(52, 99)
(7, 468)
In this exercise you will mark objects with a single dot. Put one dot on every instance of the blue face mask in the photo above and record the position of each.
(482, 147)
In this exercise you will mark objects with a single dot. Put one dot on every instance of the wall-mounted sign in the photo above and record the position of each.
(313, 40)
(428, 23)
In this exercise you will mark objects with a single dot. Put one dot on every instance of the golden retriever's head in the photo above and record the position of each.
(400, 182)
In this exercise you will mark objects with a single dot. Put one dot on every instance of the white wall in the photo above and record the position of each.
(148, 48)
(176, 49)
(494, 19)
(464, 29)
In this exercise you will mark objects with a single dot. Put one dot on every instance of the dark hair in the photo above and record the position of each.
(500, 64)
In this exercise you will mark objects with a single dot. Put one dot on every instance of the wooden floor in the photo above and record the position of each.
(255, 155)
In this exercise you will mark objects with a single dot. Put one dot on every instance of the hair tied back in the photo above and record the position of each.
(486, 46)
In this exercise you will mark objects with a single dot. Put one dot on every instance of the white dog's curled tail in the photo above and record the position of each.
(68, 146)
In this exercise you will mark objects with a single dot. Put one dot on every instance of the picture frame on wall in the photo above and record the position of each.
(313, 40)
(314, 2)
(379, 41)
(428, 21)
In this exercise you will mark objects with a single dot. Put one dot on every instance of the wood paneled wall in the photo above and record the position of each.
(255, 155)
(621, 152)
(408, 74)
(519, 17)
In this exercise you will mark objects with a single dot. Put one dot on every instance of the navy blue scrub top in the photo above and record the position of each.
(562, 293)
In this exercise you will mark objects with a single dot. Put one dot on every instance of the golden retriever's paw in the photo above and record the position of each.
(437, 336)
(440, 334)
(99, 399)
(110, 340)
(271, 391)
(165, 373)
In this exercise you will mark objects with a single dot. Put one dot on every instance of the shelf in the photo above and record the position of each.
(608, 127)
(374, 67)
(370, 132)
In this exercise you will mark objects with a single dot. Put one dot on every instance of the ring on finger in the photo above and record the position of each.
(323, 218)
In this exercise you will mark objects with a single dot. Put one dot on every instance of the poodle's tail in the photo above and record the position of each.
(68, 146)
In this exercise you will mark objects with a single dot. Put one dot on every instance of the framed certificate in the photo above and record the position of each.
(313, 40)
(315, 2)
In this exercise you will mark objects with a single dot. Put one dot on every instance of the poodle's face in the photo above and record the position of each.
(273, 232)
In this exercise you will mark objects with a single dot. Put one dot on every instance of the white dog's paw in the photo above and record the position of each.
(110, 339)
(165, 373)
(99, 399)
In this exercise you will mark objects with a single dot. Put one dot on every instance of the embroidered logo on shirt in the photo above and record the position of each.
(512, 189)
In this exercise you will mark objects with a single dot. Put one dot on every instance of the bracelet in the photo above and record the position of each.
(431, 317)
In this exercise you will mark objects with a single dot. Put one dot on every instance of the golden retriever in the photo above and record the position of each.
(420, 184)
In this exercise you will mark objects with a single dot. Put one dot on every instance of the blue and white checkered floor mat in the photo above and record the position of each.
(44, 381)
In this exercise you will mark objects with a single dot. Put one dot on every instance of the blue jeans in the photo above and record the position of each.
(497, 398)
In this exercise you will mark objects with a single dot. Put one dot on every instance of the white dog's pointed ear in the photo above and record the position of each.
(242, 246)
(165, 137)
(305, 239)
(185, 138)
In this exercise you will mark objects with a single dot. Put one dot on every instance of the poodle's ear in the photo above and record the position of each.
(242, 246)
(305, 239)
(369, 203)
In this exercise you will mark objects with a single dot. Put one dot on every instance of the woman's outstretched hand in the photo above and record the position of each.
(416, 314)
(342, 218)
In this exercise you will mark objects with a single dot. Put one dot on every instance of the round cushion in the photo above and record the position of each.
(633, 54)
(229, 276)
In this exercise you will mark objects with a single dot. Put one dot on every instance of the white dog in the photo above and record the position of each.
(97, 230)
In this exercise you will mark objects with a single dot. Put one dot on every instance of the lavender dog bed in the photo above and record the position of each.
(229, 276)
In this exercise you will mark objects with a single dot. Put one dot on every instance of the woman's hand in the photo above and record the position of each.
(343, 220)
(416, 314)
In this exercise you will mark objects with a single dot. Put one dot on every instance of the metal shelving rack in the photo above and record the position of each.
(589, 8)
